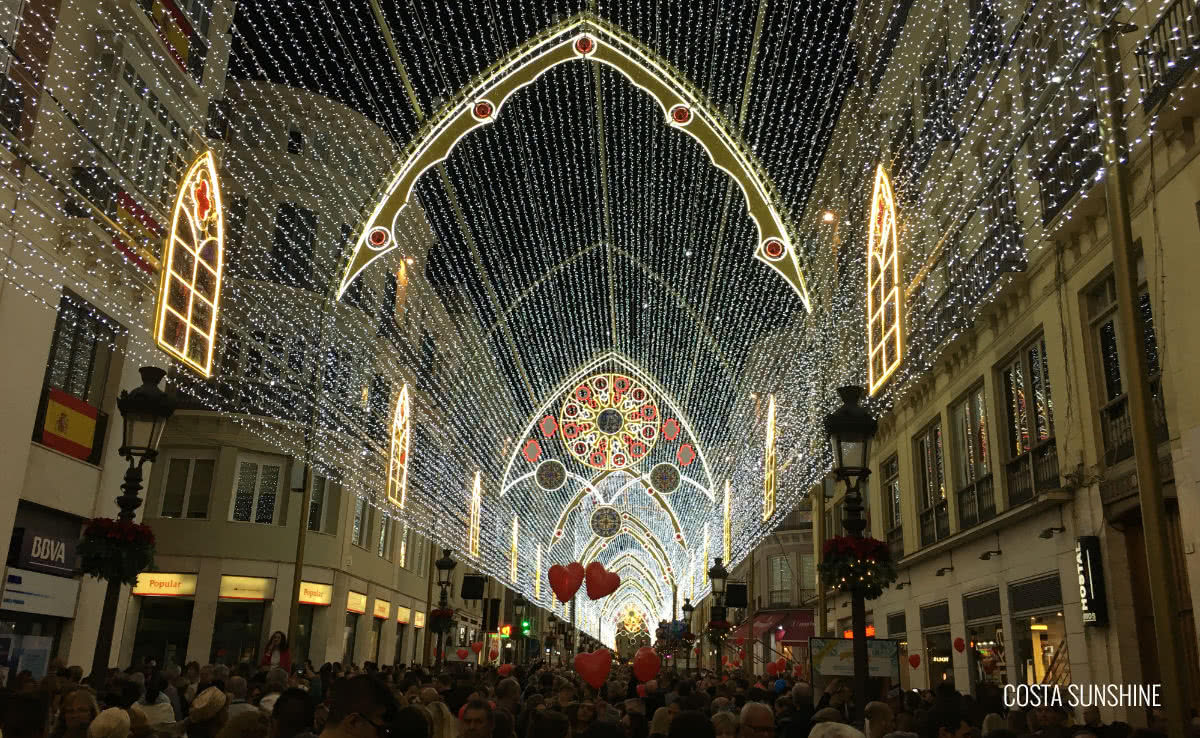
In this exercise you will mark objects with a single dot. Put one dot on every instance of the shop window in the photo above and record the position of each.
(187, 486)
(295, 140)
(1031, 457)
(361, 521)
(349, 633)
(779, 571)
(237, 632)
(972, 468)
(1040, 648)
(163, 626)
(931, 485)
(318, 504)
(1112, 365)
(256, 490)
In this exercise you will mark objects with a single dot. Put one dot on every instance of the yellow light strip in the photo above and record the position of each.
(589, 38)
(512, 551)
(189, 292)
(397, 489)
(884, 336)
(474, 520)
(404, 547)
(537, 572)
(769, 464)
(728, 533)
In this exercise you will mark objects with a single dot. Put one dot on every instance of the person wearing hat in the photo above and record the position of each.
(208, 713)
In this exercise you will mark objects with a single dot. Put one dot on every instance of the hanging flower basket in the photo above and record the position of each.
(116, 550)
(857, 565)
(717, 630)
(441, 620)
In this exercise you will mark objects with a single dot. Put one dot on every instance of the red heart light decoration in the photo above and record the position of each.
(594, 667)
(914, 660)
(462, 654)
(959, 645)
(566, 580)
(477, 646)
(600, 582)
(504, 669)
(646, 664)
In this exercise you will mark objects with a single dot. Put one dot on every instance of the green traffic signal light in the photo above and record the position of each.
(524, 627)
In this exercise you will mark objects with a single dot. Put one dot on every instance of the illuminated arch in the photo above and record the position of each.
(189, 293)
(629, 559)
(397, 489)
(589, 489)
(584, 37)
(884, 340)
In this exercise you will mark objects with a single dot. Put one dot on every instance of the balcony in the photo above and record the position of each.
(976, 502)
(1032, 472)
(935, 523)
(895, 542)
(1169, 52)
(780, 598)
(1118, 434)
(1070, 164)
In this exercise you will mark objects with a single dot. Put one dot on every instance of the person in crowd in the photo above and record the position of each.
(276, 652)
(634, 725)
(238, 702)
(503, 724)
(25, 713)
(154, 702)
(111, 723)
(756, 720)
(828, 715)
(414, 720)
(360, 707)
(725, 725)
(207, 713)
(691, 724)
(442, 723)
(476, 720)
(429, 695)
(508, 695)
(246, 725)
(660, 726)
(945, 721)
(879, 719)
(1092, 720)
(834, 729)
(839, 696)
(77, 710)
(276, 682)
(549, 724)
(293, 715)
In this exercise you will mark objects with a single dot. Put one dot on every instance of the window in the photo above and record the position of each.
(187, 487)
(318, 503)
(931, 485)
(81, 350)
(384, 548)
(890, 472)
(256, 490)
(779, 573)
(361, 521)
(235, 235)
(295, 234)
(378, 404)
(972, 470)
(1031, 457)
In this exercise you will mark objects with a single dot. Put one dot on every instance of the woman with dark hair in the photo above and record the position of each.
(276, 652)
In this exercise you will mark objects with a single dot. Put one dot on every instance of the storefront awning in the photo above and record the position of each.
(797, 627)
(760, 624)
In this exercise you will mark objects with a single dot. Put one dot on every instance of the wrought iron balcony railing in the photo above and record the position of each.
(1034, 471)
(1118, 434)
(1070, 164)
(976, 502)
(935, 523)
(895, 542)
(1169, 51)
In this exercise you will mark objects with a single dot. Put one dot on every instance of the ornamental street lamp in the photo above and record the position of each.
(717, 575)
(521, 634)
(144, 414)
(850, 429)
(688, 609)
(445, 568)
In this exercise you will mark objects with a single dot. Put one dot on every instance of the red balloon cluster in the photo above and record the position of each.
(504, 669)
(462, 654)
(477, 646)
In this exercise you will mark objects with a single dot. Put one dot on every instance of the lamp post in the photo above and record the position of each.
(519, 604)
(850, 429)
(687, 619)
(445, 567)
(144, 414)
(717, 575)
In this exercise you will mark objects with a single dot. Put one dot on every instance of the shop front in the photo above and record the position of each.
(356, 605)
(381, 612)
(935, 632)
(1039, 632)
(312, 597)
(985, 646)
(897, 629)
(40, 590)
(403, 618)
(242, 604)
(165, 602)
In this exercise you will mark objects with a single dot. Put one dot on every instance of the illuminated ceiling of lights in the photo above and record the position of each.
(579, 234)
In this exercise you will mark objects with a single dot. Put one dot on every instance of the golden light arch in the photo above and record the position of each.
(584, 37)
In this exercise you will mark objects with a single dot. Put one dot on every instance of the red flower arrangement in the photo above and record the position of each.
(717, 630)
(857, 564)
(116, 549)
(441, 619)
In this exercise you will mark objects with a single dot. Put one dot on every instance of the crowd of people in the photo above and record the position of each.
(536, 701)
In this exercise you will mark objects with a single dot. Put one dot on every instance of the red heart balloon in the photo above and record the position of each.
(782, 663)
(697, 650)
(594, 667)
(504, 670)
(493, 654)
(564, 582)
(741, 641)
(914, 660)
(641, 690)
(477, 646)
(772, 668)
(600, 582)
(462, 654)
(725, 659)
(741, 653)
(959, 645)
(646, 664)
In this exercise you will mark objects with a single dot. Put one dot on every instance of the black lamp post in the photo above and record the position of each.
(144, 414)
(688, 609)
(445, 567)
(850, 429)
(717, 575)
(519, 604)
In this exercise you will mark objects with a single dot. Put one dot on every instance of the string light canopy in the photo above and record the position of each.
(569, 232)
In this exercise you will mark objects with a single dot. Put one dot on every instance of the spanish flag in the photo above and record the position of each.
(70, 424)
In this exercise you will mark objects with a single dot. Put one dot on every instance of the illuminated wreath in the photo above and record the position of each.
(664, 478)
(609, 421)
(606, 521)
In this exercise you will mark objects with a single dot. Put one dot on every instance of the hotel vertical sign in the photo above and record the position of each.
(1093, 601)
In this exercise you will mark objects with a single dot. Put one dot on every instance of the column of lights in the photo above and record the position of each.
(247, 303)
(885, 345)
(475, 519)
(769, 464)
(512, 553)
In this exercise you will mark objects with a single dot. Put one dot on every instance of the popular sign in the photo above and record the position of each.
(1090, 572)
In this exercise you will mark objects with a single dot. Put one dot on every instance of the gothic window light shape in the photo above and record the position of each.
(884, 340)
(769, 464)
(189, 293)
(398, 455)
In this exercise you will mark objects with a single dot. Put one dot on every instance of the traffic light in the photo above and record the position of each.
(525, 627)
